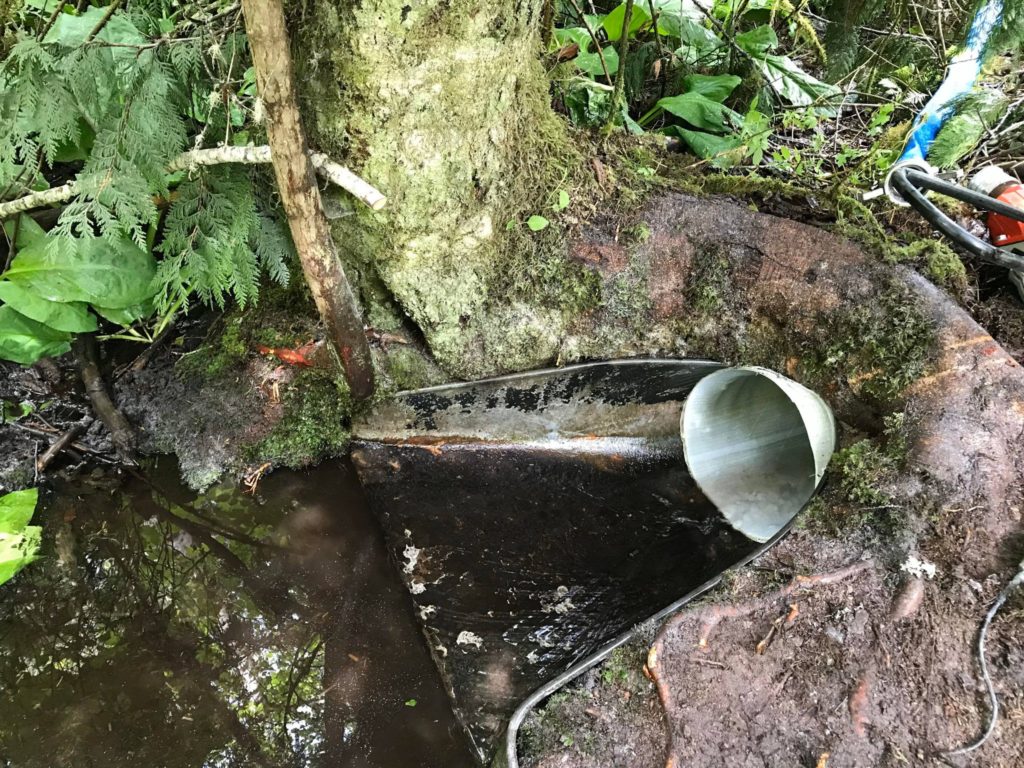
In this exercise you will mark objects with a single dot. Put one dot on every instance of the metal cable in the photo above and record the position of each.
(1015, 582)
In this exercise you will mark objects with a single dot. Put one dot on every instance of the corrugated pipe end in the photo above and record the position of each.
(757, 444)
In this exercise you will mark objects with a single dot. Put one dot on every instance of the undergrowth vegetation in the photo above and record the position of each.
(106, 99)
(808, 90)
(815, 94)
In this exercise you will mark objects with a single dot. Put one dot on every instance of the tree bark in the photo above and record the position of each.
(447, 106)
(335, 300)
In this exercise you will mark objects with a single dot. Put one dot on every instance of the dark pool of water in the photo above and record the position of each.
(165, 628)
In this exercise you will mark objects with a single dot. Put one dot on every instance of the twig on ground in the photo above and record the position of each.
(60, 444)
(76, 446)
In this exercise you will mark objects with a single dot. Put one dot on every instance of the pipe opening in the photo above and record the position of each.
(757, 444)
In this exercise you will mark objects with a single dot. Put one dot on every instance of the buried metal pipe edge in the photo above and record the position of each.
(509, 756)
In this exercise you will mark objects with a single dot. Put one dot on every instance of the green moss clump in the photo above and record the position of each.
(709, 283)
(408, 368)
(939, 261)
(860, 499)
(878, 348)
(226, 349)
(860, 468)
(635, 234)
(315, 423)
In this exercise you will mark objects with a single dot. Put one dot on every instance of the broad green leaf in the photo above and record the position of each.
(537, 223)
(563, 201)
(758, 41)
(701, 112)
(784, 75)
(671, 13)
(29, 232)
(73, 317)
(587, 103)
(591, 62)
(125, 315)
(23, 340)
(697, 44)
(796, 86)
(723, 151)
(16, 509)
(570, 35)
(715, 87)
(613, 21)
(71, 30)
(111, 273)
(19, 541)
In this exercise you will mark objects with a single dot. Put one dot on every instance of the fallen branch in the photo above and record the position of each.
(62, 443)
(331, 171)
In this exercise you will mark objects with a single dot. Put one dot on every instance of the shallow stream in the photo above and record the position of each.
(165, 628)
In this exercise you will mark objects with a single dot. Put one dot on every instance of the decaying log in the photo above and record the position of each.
(782, 287)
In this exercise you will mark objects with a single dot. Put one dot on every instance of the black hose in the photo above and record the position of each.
(984, 251)
(978, 200)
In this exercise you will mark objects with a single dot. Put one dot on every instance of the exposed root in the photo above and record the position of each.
(860, 702)
(121, 432)
(714, 614)
(909, 600)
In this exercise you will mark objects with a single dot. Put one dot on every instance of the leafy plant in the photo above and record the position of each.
(19, 541)
(685, 75)
(111, 98)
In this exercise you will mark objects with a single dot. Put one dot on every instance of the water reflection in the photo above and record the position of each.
(162, 628)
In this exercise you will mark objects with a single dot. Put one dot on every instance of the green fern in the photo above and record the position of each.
(119, 106)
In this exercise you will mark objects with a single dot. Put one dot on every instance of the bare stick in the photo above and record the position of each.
(619, 94)
(103, 22)
(52, 20)
(333, 172)
(311, 233)
(597, 44)
(62, 443)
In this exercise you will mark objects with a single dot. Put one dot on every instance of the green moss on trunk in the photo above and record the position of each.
(445, 107)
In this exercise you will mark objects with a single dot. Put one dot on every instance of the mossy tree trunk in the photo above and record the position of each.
(444, 106)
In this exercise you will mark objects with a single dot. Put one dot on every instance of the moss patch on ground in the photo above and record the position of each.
(317, 407)
(877, 349)
(859, 495)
